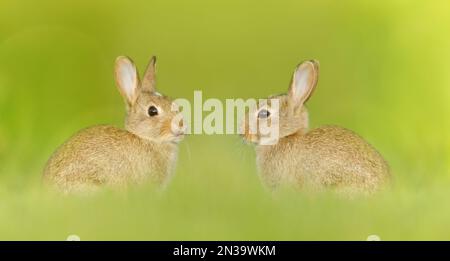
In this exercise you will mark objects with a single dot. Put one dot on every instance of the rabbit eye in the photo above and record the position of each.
(263, 114)
(152, 111)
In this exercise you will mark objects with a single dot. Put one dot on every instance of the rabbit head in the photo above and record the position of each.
(150, 115)
(287, 111)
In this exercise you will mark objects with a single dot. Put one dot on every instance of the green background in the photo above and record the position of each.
(385, 73)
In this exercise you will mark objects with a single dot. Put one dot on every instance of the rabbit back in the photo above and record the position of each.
(108, 156)
(325, 157)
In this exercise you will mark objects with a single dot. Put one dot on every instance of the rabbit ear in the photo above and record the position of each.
(127, 79)
(149, 80)
(304, 81)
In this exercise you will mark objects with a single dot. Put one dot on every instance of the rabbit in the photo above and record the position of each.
(106, 156)
(322, 159)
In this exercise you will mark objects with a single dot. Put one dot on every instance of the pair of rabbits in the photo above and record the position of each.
(328, 157)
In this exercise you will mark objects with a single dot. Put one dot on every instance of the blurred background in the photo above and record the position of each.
(384, 74)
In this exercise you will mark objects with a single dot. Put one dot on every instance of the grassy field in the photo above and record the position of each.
(384, 74)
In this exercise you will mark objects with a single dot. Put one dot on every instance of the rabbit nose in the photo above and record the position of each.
(180, 126)
(180, 130)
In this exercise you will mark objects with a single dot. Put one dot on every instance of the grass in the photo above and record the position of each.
(205, 202)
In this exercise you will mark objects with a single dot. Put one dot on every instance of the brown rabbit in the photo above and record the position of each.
(326, 157)
(112, 157)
